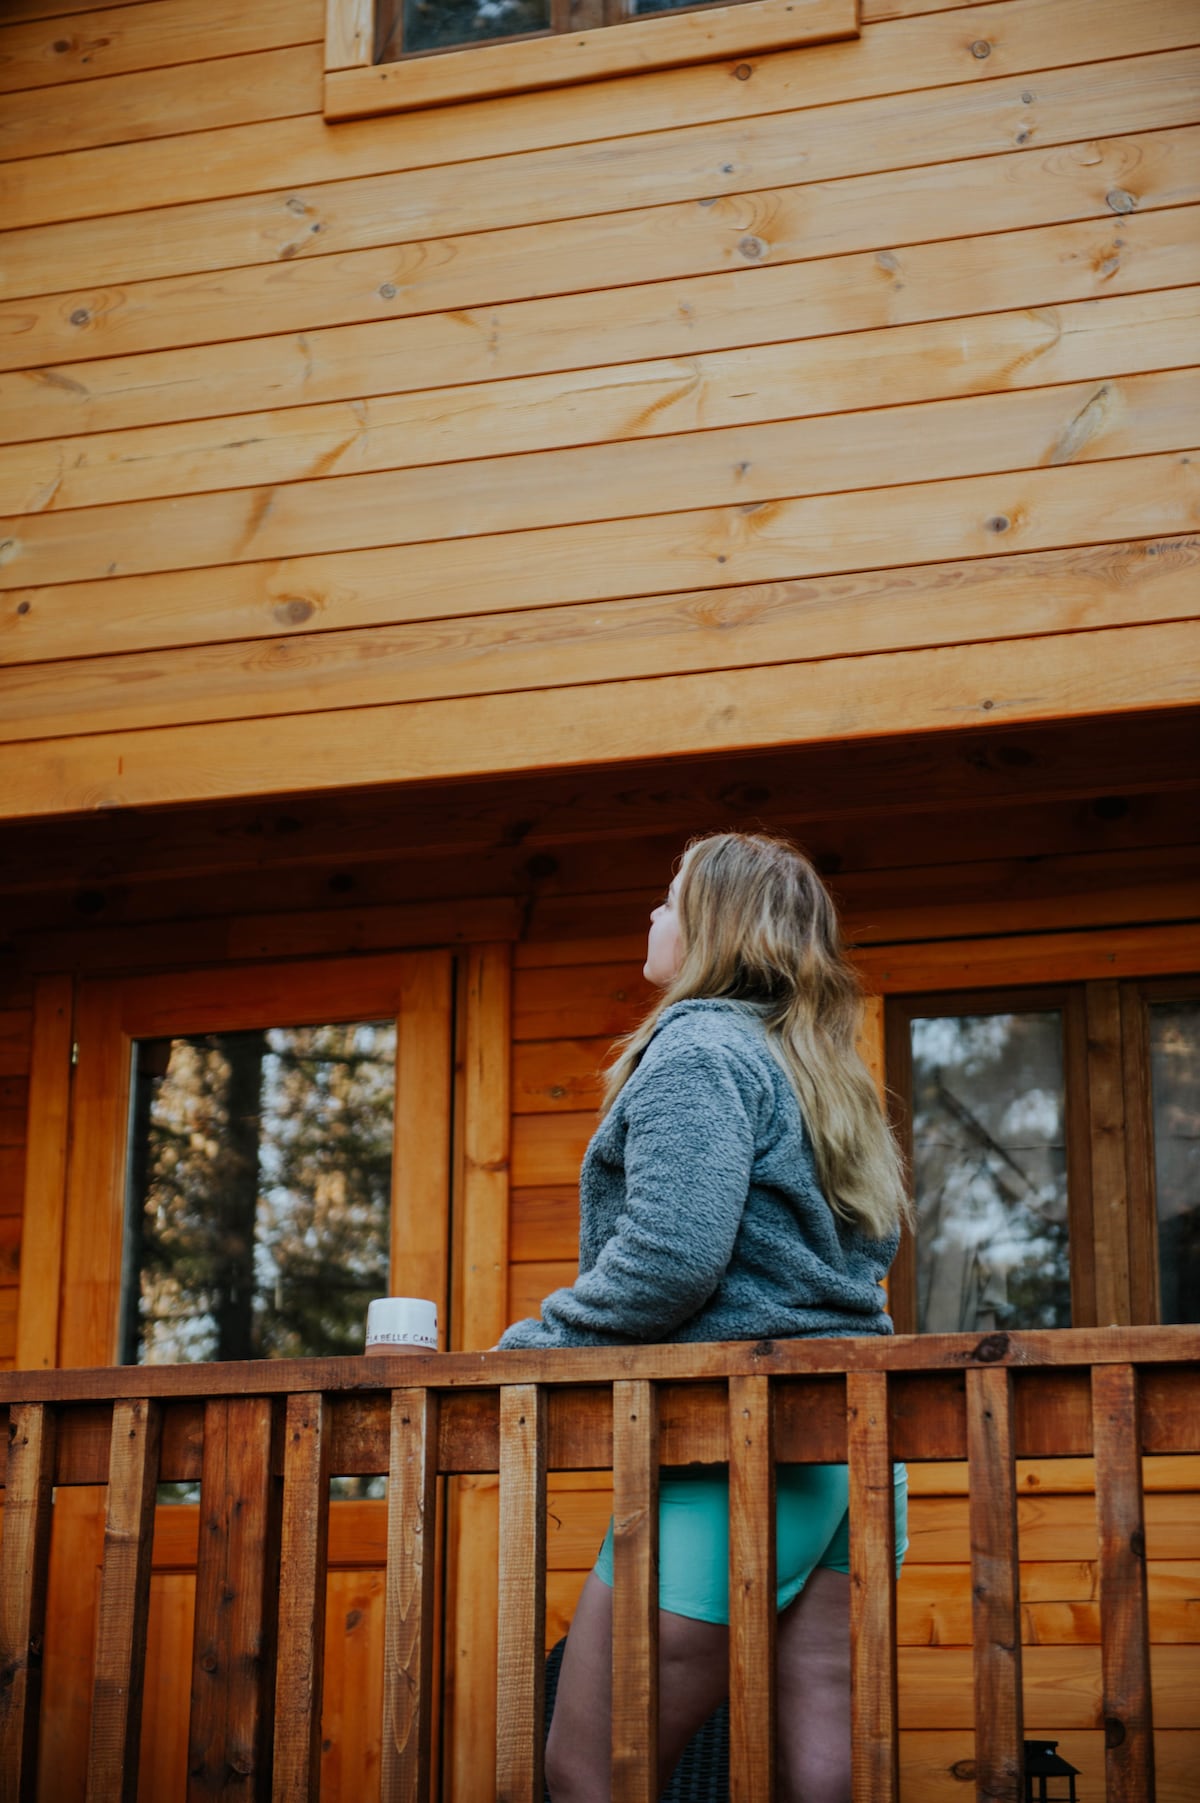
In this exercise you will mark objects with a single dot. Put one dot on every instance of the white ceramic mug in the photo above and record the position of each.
(399, 1324)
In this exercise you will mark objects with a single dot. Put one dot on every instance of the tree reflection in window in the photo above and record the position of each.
(990, 1172)
(1175, 1091)
(259, 1197)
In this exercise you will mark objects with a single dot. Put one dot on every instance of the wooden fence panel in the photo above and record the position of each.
(123, 1615)
(1124, 1613)
(520, 1669)
(995, 1586)
(303, 1566)
(751, 1592)
(875, 1746)
(409, 1702)
(635, 1593)
(24, 1568)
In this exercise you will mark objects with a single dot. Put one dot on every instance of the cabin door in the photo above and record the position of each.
(255, 1153)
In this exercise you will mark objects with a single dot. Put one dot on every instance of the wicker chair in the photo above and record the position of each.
(702, 1775)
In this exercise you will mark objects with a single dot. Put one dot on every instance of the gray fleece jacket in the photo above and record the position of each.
(701, 1217)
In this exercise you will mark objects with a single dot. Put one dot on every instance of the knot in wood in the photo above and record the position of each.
(743, 72)
(387, 291)
(981, 49)
(999, 522)
(990, 1350)
(752, 247)
(1114, 1731)
(1120, 200)
(80, 317)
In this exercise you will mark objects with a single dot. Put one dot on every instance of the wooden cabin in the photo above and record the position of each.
(451, 455)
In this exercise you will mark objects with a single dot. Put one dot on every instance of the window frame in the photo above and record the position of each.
(1112, 1210)
(357, 86)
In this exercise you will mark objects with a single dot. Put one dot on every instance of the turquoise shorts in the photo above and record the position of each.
(812, 1529)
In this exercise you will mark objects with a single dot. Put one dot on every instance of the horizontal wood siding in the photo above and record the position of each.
(337, 454)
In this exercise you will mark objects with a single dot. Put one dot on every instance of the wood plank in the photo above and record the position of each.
(45, 1172)
(875, 1770)
(484, 1212)
(42, 54)
(995, 1587)
(420, 1218)
(94, 1226)
(746, 468)
(581, 56)
(233, 1652)
(999, 352)
(24, 1566)
(635, 1593)
(809, 539)
(1125, 1651)
(1106, 1117)
(752, 1588)
(1128, 584)
(123, 1614)
(65, 125)
(473, 1566)
(349, 33)
(1048, 958)
(303, 1585)
(1127, 669)
(1019, 189)
(548, 1148)
(1041, 266)
(520, 1668)
(409, 1697)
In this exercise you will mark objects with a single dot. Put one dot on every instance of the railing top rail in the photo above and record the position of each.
(1063, 1347)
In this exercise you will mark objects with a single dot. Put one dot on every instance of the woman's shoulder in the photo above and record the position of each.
(731, 1031)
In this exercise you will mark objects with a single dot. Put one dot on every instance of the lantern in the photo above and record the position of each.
(1048, 1778)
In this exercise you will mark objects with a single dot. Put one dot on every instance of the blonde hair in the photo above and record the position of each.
(756, 924)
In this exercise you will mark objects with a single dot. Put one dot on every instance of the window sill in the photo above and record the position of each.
(571, 57)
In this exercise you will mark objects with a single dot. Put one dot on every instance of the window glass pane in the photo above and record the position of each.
(1175, 1096)
(259, 1198)
(990, 1172)
(437, 24)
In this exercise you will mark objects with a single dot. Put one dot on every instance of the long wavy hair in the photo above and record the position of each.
(756, 924)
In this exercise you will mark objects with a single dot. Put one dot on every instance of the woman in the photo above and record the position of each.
(742, 1185)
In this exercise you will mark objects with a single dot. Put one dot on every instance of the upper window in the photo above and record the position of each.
(390, 55)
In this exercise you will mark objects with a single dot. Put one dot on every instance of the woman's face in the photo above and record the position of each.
(664, 949)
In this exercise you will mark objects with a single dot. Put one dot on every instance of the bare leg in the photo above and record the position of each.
(813, 1654)
(693, 1677)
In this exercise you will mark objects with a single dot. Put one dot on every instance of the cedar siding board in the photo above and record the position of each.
(415, 527)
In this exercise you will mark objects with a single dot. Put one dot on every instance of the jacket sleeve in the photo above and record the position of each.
(689, 1152)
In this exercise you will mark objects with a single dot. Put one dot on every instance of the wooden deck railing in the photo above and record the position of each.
(263, 1438)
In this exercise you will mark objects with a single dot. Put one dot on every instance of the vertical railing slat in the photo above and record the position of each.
(124, 1608)
(751, 1592)
(303, 1575)
(635, 1593)
(24, 1570)
(874, 1737)
(520, 1666)
(408, 1697)
(995, 1585)
(233, 1646)
(1124, 1619)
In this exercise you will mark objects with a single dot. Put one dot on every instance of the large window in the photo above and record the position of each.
(1053, 1139)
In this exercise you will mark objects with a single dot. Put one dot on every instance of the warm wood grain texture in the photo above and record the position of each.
(46, 1134)
(875, 1769)
(93, 1231)
(409, 1699)
(1124, 1617)
(995, 1586)
(520, 1670)
(420, 1251)
(752, 1605)
(580, 56)
(349, 33)
(635, 1593)
(122, 1616)
(233, 1657)
(486, 1148)
(1109, 1183)
(1052, 265)
(24, 1565)
(303, 1572)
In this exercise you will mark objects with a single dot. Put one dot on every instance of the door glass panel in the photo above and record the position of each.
(1175, 1099)
(990, 1172)
(257, 1217)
